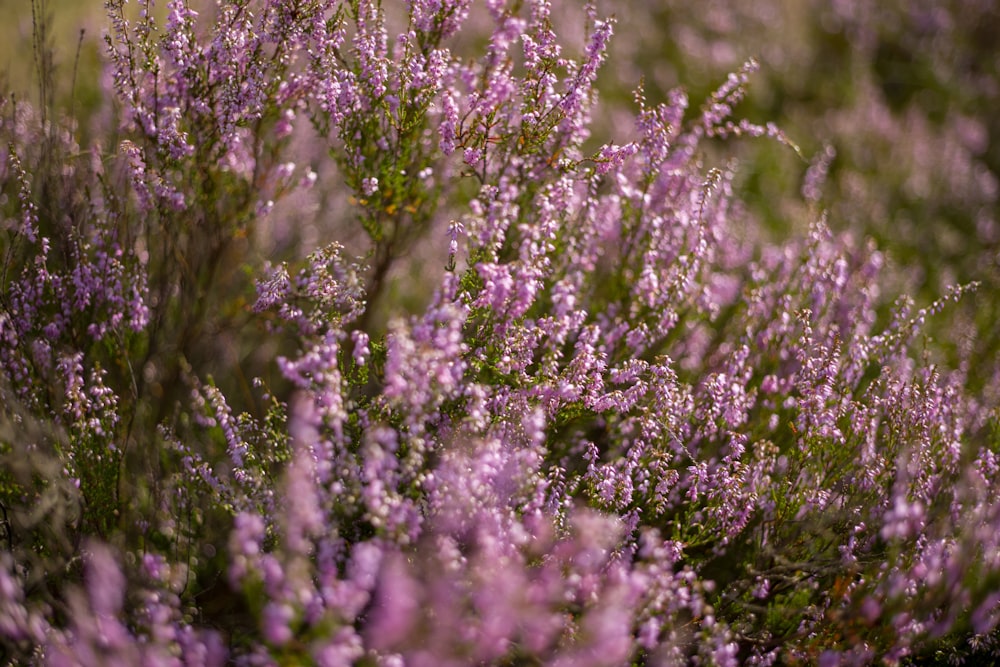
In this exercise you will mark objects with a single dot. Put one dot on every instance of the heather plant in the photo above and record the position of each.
(623, 426)
(891, 100)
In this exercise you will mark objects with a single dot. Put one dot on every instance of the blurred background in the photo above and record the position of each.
(67, 48)
(896, 100)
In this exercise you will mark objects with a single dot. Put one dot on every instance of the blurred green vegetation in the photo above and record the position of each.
(61, 31)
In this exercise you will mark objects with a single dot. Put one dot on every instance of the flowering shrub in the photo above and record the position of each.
(893, 101)
(624, 427)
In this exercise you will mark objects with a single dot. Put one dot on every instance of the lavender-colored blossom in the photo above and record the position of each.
(555, 396)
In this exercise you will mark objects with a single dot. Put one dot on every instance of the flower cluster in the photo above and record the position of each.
(618, 426)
